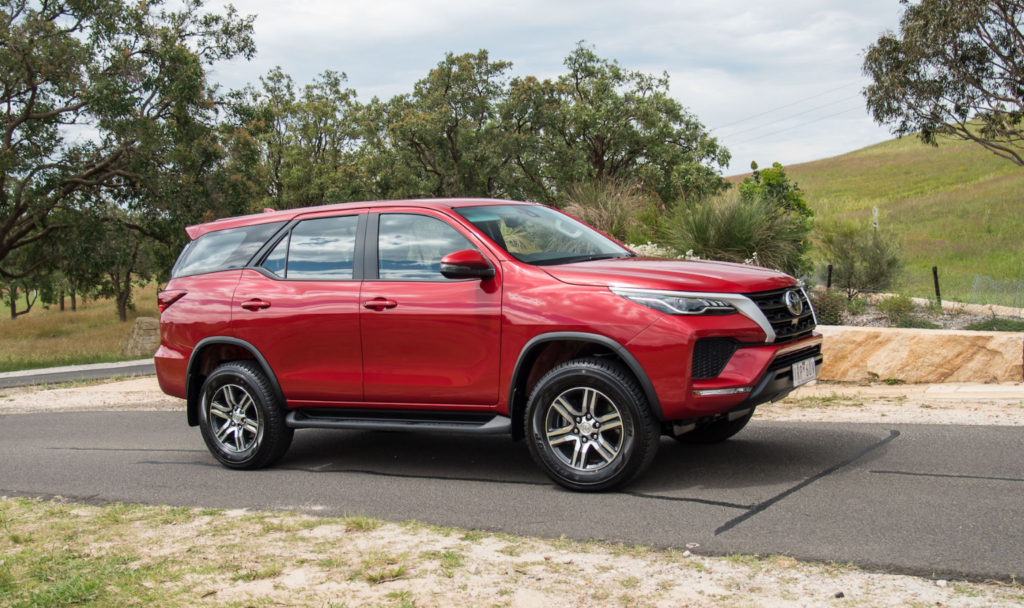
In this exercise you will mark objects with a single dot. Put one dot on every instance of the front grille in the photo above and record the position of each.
(787, 327)
(710, 355)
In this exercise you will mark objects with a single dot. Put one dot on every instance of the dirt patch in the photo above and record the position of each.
(135, 555)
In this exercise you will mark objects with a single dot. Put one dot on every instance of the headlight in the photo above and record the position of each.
(690, 304)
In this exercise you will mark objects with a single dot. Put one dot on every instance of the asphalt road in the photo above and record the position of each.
(88, 372)
(943, 501)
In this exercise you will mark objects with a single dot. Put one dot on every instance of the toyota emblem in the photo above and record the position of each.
(793, 302)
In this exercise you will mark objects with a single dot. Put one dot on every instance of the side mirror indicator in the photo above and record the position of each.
(466, 264)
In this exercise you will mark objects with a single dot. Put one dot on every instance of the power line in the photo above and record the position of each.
(803, 124)
(768, 124)
(858, 81)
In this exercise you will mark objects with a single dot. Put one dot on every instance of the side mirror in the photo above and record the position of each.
(466, 264)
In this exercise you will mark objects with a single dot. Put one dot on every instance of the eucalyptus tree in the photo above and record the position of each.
(93, 95)
(955, 68)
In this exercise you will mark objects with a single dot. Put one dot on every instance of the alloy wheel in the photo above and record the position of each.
(234, 418)
(583, 428)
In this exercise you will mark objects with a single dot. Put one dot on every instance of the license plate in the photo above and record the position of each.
(804, 371)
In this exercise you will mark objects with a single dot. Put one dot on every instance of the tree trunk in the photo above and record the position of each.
(74, 303)
(122, 309)
(62, 300)
(14, 304)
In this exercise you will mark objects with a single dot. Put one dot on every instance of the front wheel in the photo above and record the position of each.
(240, 418)
(589, 427)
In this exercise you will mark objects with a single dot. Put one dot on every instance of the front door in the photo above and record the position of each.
(300, 308)
(426, 339)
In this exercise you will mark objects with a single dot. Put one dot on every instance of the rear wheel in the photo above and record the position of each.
(589, 427)
(240, 418)
(716, 432)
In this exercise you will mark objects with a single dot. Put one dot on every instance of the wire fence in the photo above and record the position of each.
(976, 292)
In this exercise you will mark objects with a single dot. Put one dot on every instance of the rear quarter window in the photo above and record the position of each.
(223, 249)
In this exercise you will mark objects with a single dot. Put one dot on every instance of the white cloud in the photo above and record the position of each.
(728, 60)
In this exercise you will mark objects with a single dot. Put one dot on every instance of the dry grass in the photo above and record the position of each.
(47, 338)
(56, 554)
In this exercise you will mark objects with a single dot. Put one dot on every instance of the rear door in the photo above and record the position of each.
(300, 308)
(435, 340)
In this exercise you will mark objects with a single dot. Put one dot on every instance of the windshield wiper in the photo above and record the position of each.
(591, 258)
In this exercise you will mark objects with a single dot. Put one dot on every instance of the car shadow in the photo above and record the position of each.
(765, 455)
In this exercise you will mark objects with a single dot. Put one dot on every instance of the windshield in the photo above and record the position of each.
(541, 236)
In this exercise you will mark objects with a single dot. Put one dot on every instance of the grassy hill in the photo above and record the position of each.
(957, 206)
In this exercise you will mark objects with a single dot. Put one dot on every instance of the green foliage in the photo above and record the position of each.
(619, 209)
(954, 69)
(727, 228)
(600, 121)
(828, 306)
(773, 186)
(897, 310)
(917, 323)
(134, 76)
(862, 258)
(857, 305)
(997, 324)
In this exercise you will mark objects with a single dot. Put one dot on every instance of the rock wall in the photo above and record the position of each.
(143, 339)
(873, 354)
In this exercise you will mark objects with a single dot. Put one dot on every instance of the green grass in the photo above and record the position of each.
(957, 207)
(50, 338)
(997, 325)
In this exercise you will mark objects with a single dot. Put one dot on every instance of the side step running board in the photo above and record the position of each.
(417, 421)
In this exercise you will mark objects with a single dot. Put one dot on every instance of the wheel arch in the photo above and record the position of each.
(528, 356)
(198, 361)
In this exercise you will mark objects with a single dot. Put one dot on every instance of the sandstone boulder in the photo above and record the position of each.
(873, 354)
(143, 338)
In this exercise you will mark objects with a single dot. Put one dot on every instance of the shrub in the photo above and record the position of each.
(857, 305)
(620, 209)
(917, 323)
(730, 229)
(773, 186)
(897, 310)
(995, 324)
(828, 307)
(863, 259)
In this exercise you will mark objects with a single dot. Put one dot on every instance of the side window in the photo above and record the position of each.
(320, 250)
(223, 249)
(275, 262)
(410, 247)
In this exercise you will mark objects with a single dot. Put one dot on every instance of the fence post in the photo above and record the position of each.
(828, 285)
(935, 275)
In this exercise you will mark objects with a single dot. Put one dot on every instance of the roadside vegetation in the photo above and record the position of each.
(54, 553)
(49, 338)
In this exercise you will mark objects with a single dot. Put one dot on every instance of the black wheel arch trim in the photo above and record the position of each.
(192, 392)
(618, 349)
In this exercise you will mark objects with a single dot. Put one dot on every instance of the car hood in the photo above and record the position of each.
(672, 275)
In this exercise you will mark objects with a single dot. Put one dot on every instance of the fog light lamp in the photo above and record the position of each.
(721, 391)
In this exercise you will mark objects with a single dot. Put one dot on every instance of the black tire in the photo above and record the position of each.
(272, 437)
(637, 439)
(716, 432)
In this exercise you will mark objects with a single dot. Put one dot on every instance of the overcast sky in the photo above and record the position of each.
(728, 60)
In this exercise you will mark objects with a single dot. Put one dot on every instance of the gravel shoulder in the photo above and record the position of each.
(132, 554)
(975, 404)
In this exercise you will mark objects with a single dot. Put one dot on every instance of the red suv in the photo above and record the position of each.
(471, 316)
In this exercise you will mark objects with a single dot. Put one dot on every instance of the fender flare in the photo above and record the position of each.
(192, 391)
(645, 383)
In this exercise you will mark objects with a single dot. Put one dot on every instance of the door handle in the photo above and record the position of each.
(379, 304)
(255, 304)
